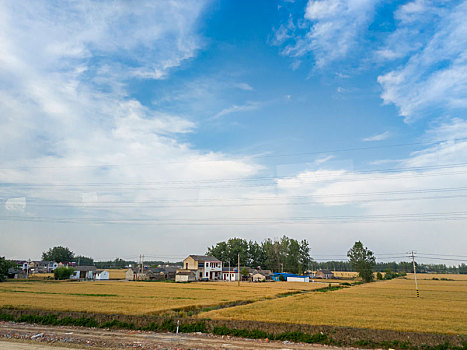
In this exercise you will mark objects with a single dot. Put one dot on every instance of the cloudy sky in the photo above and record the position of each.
(163, 127)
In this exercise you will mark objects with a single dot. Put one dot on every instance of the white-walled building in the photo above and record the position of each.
(83, 272)
(229, 274)
(102, 275)
(203, 267)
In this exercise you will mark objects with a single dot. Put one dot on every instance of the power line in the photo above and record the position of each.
(117, 205)
(435, 258)
(243, 157)
(269, 198)
(252, 220)
(462, 256)
(346, 176)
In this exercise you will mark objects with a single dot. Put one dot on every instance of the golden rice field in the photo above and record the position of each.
(124, 297)
(392, 304)
(117, 274)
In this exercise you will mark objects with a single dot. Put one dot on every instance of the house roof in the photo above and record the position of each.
(185, 272)
(326, 272)
(84, 268)
(204, 258)
(13, 270)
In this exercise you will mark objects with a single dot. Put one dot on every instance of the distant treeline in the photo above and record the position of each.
(121, 264)
(402, 266)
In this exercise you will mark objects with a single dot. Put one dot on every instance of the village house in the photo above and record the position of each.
(101, 275)
(37, 266)
(326, 274)
(298, 279)
(16, 273)
(260, 275)
(131, 274)
(151, 273)
(185, 275)
(83, 273)
(229, 274)
(203, 267)
(164, 273)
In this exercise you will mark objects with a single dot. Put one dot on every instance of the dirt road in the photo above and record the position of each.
(36, 335)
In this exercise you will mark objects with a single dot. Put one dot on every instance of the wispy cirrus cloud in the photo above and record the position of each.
(244, 86)
(434, 75)
(250, 106)
(378, 137)
(329, 30)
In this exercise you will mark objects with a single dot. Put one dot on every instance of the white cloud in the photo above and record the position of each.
(378, 137)
(244, 86)
(16, 204)
(336, 28)
(250, 106)
(324, 159)
(422, 196)
(433, 78)
(70, 136)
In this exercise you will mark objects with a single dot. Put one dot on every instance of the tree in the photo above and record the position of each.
(4, 266)
(362, 260)
(244, 272)
(256, 255)
(63, 273)
(304, 259)
(228, 251)
(83, 261)
(58, 254)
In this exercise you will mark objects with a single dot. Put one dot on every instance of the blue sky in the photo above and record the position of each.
(164, 127)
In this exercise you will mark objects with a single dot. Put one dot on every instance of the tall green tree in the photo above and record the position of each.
(362, 260)
(271, 252)
(256, 255)
(228, 251)
(304, 255)
(4, 266)
(58, 254)
(220, 251)
(83, 260)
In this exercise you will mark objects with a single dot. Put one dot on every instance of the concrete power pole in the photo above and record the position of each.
(415, 273)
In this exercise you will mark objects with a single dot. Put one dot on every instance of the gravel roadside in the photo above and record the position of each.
(52, 336)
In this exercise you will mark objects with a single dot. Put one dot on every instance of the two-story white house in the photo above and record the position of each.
(201, 267)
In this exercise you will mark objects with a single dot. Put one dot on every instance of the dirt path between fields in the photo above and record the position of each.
(29, 336)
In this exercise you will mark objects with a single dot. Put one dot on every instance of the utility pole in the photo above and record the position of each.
(282, 267)
(230, 276)
(142, 264)
(415, 273)
(238, 272)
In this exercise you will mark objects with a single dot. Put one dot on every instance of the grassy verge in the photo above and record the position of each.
(329, 335)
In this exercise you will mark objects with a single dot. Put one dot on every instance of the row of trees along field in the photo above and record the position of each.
(286, 254)
(403, 266)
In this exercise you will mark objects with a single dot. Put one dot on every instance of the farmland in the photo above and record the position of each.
(391, 304)
(381, 305)
(134, 298)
